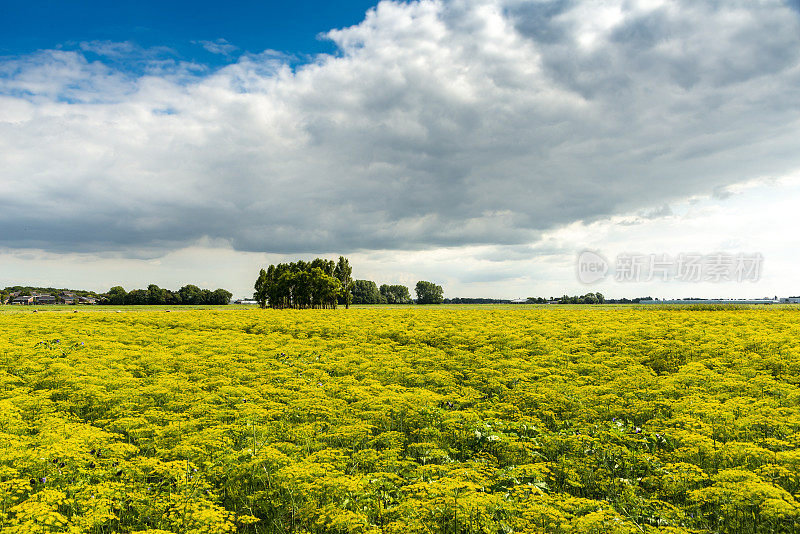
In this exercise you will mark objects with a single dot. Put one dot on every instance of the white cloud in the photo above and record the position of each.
(218, 46)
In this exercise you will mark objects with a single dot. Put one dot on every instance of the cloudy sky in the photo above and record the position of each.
(481, 144)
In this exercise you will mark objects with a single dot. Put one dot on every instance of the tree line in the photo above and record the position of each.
(155, 296)
(476, 300)
(368, 292)
(319, 283)
(588, 298)
(322, 283)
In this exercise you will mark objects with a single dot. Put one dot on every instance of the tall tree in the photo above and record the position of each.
(344, 273)
(429, 293)
(301, 284)
(261, 287)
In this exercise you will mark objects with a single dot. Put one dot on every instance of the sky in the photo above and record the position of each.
(480, 144)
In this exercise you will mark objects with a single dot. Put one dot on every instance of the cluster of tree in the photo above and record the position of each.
(319, 283)
(154, 295)
(395, 294)
(588, 298)
(429, 293)
(368, 292)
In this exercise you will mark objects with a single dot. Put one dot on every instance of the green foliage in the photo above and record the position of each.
(366, 292)
(191, 294)
(344, 273)
(220, 297)
(137, 296)
(429, 293)
(263, 286)
(156, 296)
(395, 294)
(116, 295)
(302, 284)
(588, 298)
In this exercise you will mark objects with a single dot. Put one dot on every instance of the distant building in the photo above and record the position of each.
(44, 299)
(87, 300)
(22, 300)
(245, 301)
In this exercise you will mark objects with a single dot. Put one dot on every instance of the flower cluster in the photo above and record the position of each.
(404, 420)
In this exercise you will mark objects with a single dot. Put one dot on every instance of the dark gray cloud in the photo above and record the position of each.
(438, 124)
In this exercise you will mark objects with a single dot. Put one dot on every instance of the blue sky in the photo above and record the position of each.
(480, 144)
(251, 26)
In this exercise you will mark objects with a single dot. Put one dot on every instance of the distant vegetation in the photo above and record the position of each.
(429, 293)
(368, 292)
(588, 298)
(636, 300)
(469, 300)
(325, 283)
(316, 284)
(6, 294)
(395, 294)
(29, 290)
(154, 295)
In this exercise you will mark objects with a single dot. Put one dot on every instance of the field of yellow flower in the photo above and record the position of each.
(404, 420)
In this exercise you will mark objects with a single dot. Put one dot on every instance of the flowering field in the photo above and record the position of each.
(441, 420)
